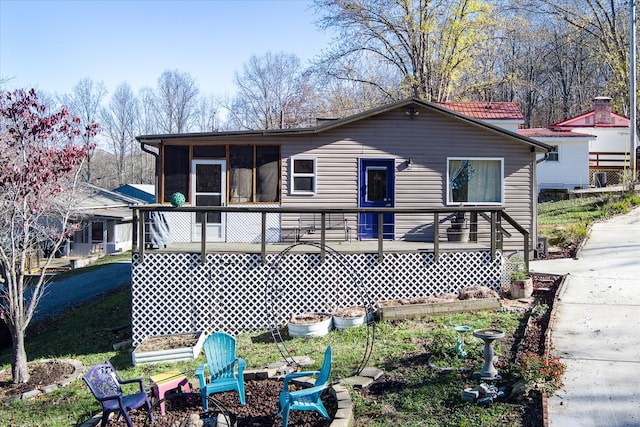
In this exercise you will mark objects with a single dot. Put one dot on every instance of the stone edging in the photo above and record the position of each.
(78, 369)
(547, 344)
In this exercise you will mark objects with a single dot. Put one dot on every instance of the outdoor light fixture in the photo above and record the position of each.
(408, 163)
(412, 112)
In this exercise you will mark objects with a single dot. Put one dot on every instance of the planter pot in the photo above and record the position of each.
(168, 348)
(455, 234)
(521, 288)
(409, 311)
(351, 317)
(310, 325)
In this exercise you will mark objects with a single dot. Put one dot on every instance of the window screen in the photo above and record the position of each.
(176, 171)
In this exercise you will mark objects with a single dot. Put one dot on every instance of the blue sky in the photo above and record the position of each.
(51, 45)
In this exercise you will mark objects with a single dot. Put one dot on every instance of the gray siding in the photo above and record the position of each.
(428, 140)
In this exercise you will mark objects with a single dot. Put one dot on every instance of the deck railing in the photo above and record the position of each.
(484, 224)
(609, 160)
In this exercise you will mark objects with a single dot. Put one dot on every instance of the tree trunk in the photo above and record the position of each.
(19, 362)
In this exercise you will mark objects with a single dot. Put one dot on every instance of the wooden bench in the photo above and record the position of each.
(312, 222)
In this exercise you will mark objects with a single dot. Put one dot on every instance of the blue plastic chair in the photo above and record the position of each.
(308, 399)
(104, 383)
(220, 350)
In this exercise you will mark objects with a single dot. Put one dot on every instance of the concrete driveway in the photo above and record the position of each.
(597, 328)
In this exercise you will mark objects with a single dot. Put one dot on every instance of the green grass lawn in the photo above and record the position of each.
(428, 397)
(87, 334)
(567, 222)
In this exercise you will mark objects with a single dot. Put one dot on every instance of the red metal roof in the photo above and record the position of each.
(551, 133)
(485, 110)
(587, 120)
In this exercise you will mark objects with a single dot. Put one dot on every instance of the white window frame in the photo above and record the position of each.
(449, 202)
(293, 175)
(556, 152)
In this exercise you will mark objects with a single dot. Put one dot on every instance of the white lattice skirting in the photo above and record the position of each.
(176, 293)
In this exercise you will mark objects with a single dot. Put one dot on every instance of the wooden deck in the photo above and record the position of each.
(366, 246)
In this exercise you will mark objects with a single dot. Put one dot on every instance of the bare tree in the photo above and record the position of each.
(206, 118)
(85, 102)
(273, 92)
(427, 44)
(146, 123)
(342, 98)
(175, 102)
(604, 30)
(119, 120)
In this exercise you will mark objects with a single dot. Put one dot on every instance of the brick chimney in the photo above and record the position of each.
(602, 110)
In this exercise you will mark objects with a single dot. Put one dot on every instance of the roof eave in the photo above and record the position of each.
(158, 139)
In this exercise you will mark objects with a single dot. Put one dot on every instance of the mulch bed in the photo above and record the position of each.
(40, 375)
(260, 410)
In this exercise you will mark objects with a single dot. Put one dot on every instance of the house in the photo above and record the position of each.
(609, 152)
(106, 223)
(412, 151)
(506, 115)
(566, 166)
(394, 177)
(144, 192)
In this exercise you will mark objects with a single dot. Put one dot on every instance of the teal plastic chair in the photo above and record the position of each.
(308, 399)
(226, 371)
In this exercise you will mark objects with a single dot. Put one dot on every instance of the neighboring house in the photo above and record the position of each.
(506, 115)
(609, 153)
(107, 223)
(416, 152)
(144, 192)
(566, 166)
(415, 160)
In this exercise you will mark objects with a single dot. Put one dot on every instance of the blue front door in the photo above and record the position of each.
(376, 191)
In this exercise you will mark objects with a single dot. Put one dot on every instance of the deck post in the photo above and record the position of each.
(134, 228)
(527, 248)
(203, 238)
(494, 235)
(473, 225)
(436, 236)
(380, 237)
(141, 238)
(499, 234)
(263, 242)
(323, 236)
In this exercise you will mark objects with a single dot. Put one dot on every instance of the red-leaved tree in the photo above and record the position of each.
(39, 166)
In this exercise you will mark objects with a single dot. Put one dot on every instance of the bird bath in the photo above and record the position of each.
(488, 372)
(461, 330)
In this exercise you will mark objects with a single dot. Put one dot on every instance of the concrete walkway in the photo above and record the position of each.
(597, 328)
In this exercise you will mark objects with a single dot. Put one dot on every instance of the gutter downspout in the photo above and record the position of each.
(544, 158)
(143, 147)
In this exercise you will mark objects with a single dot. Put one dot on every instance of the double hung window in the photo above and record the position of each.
(475, 181)
(302, 175)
